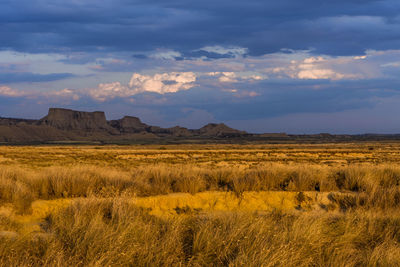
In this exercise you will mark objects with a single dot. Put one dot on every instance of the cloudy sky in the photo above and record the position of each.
(291, 66)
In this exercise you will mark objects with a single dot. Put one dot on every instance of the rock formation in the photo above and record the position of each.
(129, 124)
(70, 125)
(66, 119)
(219, 130)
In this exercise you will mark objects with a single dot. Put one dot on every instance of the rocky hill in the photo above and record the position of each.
(70, 125)
(219, 130)
(65, 126)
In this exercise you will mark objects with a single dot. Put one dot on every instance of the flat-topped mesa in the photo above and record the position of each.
(219, 130)
(129, 124)
(67, 119)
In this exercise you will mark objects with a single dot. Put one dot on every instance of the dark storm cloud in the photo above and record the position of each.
(207, 54)
(16, 77)
(274, 99)
(271, 105)
(330, 27)
(140, 56)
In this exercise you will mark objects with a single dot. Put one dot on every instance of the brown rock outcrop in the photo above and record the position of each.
(178, 131)
(129, 124)
(66, 119)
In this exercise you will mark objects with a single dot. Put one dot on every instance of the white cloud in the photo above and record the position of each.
(228, 77)
(312, 60)
(159, 83)
(320, 68)
(232, 77)
(253, 77)
(360, 57)
(65, 93)
(312, 74)
(215, 73)
(162, 83)
(106, 91)
(313, 68)
(7, 91)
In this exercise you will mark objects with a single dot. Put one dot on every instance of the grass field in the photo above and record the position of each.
(200, 205)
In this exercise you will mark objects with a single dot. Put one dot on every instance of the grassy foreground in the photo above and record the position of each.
(200, 206)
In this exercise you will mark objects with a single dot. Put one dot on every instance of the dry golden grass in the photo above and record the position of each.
(200, 205)
(126, 157)
(95, 232)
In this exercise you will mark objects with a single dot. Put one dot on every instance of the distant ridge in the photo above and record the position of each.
(71, 125)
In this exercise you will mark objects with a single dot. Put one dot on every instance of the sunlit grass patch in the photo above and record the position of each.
(179, 203)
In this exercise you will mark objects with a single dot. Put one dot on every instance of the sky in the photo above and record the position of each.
(291, 66)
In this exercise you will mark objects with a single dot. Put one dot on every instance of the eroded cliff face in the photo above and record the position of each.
(66, 119)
